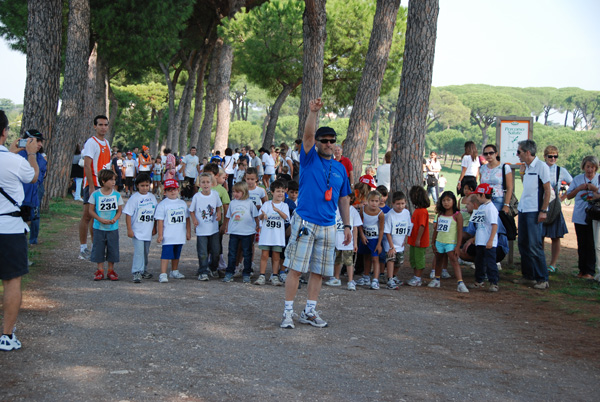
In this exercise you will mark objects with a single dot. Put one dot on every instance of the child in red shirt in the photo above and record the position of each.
(419, 236)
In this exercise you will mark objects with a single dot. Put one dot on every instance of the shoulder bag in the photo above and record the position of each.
(554, 208)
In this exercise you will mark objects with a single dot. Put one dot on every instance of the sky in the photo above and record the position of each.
(520, 43)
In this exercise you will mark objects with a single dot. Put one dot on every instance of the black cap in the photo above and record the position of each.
(33, 133)
(325, 131)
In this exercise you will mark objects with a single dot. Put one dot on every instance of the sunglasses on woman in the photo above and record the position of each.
(552, 156)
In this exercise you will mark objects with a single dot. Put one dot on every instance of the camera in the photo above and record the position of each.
(22, 142)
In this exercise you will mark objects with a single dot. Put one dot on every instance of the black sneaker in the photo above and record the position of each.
(146, 275)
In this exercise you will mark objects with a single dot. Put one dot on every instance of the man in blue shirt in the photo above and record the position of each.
(324, 187)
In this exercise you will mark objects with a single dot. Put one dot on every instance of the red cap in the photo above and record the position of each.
(368, 179)
(483, 188)
(170, 183)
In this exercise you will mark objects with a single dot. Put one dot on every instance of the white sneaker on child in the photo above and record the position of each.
(162, 278)
(351, 285)
(333, 282)
(432, 274)
(177, 275)
(446, 274)
(415, 281)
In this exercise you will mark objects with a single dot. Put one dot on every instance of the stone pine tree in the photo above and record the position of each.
(44, 35)
(413, 100)
(365, 102)
(315, 33)
(61, 146)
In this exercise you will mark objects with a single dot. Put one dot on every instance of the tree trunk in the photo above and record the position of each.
(171, 91)
(391, 120)
(114, 109)
(413, 99)
(265, 125)
(566, 116)
(101, 102)
(198, 104)
(375, 148)
(314, 33)
(222, 134)
(369, 87)
(185, 104)
(269, 136)
(88, 113)
(44, 34)
(210, 104)
(70, 124)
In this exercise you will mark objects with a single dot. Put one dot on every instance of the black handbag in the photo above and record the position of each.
(554, 208)
(23, 212)
(592, 210)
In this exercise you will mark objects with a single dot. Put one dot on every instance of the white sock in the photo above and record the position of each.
(310, 305)
(82, 247)
(289, 305)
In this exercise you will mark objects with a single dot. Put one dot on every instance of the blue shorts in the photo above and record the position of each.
(368, 248)
(171, 252)
(444, 248)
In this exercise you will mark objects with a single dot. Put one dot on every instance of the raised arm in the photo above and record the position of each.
(310, 127)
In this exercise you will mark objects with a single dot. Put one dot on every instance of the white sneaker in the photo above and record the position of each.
(312, 318)
(364, 281)
(415, 281)
(462, 288)
(434, 283)
(85, 254)
(203, 277)
(288, 319)
(275, 280)
(7, 344)
(333, 282)
(261, 280)
(351, 285)
(432, 274)
(176, 275)
(499, 266)
(445, 274)
(375, 285)
(162, 278)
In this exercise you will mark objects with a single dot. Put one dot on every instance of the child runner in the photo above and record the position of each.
(241, 223)
(173, 226)
(257, 195)
(382, 202)
(447, 238)
(157, 169)
(217, 178)
(486, 239)
(344, 254)
(129, 168)
(205, 212)
(106, 208)
(273, 215)
(419, 236)
(467, 191)
(361, 190)
(397, 229)
(141, 226)
(240, 171)
(291, 200)
(371, 235)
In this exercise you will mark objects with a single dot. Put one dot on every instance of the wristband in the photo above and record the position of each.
(506, 205)
(347, 226)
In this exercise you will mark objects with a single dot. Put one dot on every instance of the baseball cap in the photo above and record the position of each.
(129, 153)
(483, 188)
(33, 133)
(170, 183)
(325, 131)
(368, 180)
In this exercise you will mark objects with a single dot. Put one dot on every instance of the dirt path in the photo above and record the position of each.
(190, 340)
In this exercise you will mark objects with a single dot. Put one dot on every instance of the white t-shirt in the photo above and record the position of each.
(256, 196)
(269, 163)
(141, 208)
(355, 221)
(205, 208)
(383, 175)
(435, 165)
(15, 171)
(174, 213)
(472, 166)
(399, 226)
(529, 196)
(191, 165)
(228, 164)
(241, 214)
(272, 232)
(129, 167)
(238, 175)
(483, 218)
(178, 172)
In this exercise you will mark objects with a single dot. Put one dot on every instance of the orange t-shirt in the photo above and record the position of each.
(419, 218)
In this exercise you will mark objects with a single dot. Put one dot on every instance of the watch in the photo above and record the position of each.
(347, 226)
(544, 210)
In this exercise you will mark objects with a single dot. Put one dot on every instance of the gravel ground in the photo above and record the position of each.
(191, 340)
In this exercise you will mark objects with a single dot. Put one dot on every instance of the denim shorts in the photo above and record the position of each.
(444, 248)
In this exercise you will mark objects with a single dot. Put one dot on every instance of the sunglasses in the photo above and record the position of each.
(488, 153)
(518, 152)
(552, 156)
(325, 141)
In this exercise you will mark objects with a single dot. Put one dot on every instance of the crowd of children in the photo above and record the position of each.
(380, 232)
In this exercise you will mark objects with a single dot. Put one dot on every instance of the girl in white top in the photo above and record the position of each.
(241, 223)
(268, 164)
(342, 250)
(470, 166)
(157, 169)
(257, 195)
(273, 215)
(371, 235)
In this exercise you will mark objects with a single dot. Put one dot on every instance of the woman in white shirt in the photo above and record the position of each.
(470, 167)
(269, 166)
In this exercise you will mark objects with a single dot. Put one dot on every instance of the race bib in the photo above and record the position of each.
(273, 223)
(146, 215)
(107, 203)
(478, 217)
(339, 225)
(370, 231)
(444, 224)
(403, 229)
(176, 216)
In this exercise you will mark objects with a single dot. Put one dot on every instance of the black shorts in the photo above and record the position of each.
(86, 194)
(129, 181)
(13, 254)
(500, 254)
